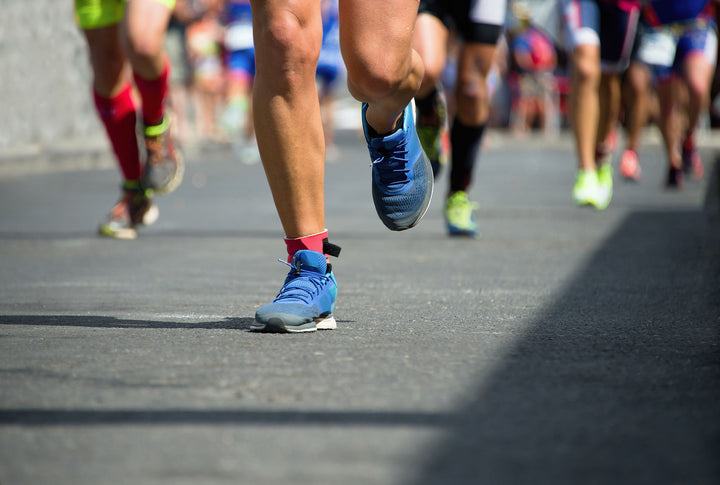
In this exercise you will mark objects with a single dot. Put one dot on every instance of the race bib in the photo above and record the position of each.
(657, 48)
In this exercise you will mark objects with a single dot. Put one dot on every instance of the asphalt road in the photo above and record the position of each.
(565, 346)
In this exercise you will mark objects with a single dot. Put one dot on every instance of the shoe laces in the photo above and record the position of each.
(392, 164)
(301, 284)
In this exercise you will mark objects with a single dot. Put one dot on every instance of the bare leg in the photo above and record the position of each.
(609, 112)
(584, 102)
(288, 35)
(107, 60)
(143, 36)
(698, 74)
(474, 62)
(473, 110)
(430, 41)
(383, 68)
(636, 111)
(671, 120)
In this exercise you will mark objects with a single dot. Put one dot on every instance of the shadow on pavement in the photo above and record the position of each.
(164, 417)
(93, 321)
(617, 382)
(149, 234)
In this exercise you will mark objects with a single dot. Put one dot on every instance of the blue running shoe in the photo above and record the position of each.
(402, 177)
(306, 301)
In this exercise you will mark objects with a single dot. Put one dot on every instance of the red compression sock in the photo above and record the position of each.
(118, 115)
(313, 242)
(153, 93)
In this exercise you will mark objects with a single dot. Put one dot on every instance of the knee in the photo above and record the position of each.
(148, 45)
(471, 89)
(586, 68)
(375, 77)
(698, 90)
(433, 72)
(287, 45)
(637, 83)
(586, 72)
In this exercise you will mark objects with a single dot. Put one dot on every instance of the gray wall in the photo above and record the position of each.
(45, 96)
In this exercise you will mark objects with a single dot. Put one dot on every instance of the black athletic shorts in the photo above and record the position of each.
(477, 21)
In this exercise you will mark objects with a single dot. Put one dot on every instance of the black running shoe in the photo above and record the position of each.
(675, 178)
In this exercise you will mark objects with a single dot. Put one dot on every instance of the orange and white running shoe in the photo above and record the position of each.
(629, 166)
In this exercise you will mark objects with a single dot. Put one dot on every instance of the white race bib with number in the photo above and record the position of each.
(657, 48)
(239, 37)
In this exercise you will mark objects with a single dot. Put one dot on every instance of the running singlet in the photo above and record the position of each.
(663, 12)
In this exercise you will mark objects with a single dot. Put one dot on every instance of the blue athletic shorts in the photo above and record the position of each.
(611, 25)
(664, 49)
(242, 60)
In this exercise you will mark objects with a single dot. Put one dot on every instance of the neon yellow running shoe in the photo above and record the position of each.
(605, 184)
(459, 215)
(586, 187)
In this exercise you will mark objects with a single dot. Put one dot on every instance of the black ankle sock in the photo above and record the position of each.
(465, 141)
(398, 125)
(426, 105)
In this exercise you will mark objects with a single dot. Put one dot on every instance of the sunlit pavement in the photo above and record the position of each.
(564, 346)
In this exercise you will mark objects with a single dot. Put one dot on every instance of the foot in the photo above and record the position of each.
(306, 301)
(586, 187)
(134, 208)
(402, 181)
(459, 215)
(605, 183)
(692, 163)
(675, 178)
(629, 166)
(164, 167)
(589, 191)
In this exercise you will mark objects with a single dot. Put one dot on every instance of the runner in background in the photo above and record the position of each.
(478, 25)
(330, 71)
(678, 42)
(601, 34)
(531, 76)
(204, 37)
(239, 77)
(180, 96)
(126, 45)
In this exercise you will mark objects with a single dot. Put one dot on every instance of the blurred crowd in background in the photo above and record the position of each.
(210, 44)
(211, 48)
